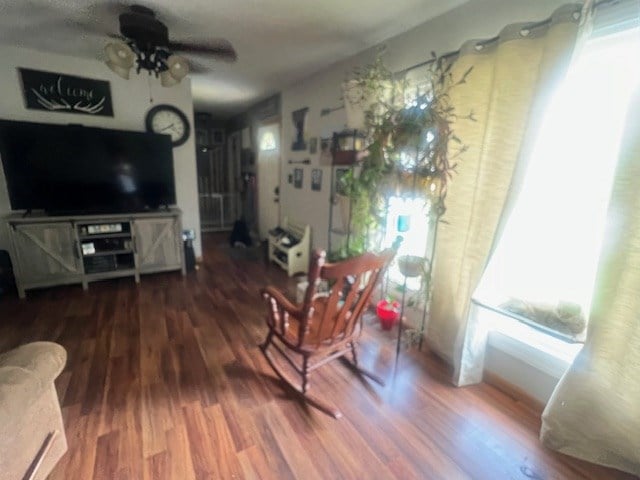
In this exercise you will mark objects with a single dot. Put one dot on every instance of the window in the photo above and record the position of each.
(548, 253)
(407, 217)
(268, 142)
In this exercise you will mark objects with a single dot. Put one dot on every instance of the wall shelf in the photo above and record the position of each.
(106, 253)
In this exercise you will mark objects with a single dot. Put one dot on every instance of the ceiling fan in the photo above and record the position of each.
(144, 44)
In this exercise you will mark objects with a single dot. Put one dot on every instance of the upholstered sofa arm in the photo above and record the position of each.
(33, 438)
(25, 373)
(44, 360)
(19, 388)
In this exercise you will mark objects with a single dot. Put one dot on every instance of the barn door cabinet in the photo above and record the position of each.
(48, 251)
(158, 244)
(46, 254)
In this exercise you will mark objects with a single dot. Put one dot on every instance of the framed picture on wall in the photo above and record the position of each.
(338, 188)
(299, 118)
(316, 179)
(202, 137)
(313, 144)
(325, 151)
(298, 175)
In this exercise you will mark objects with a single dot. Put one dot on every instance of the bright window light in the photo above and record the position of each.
(268, 142)
(413, 215)
(550, 246)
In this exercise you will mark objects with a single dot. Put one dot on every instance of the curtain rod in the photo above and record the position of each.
(542, 23)
(482, 43)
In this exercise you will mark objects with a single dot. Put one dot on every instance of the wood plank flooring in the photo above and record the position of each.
(165, 381)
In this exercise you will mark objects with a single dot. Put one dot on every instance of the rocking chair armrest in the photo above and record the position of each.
(282, 301)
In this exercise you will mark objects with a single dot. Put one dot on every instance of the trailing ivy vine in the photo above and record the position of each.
(411, 146)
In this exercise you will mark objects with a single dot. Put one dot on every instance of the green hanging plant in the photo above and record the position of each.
(412, 148)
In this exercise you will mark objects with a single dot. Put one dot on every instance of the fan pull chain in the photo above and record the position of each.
(149, 83)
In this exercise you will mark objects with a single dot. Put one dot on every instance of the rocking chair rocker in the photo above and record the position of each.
(325, 326)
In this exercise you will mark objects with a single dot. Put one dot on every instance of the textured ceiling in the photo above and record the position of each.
(278, 41)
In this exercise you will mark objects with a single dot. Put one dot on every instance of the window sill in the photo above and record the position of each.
(567, 338)
(532, 346)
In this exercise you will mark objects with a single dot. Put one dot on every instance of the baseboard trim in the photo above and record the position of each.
(512, 391)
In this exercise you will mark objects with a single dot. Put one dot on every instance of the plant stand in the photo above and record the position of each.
(410, 267)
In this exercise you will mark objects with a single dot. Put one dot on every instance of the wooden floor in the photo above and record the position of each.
(165, 381)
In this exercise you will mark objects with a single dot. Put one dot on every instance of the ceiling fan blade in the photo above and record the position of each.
(77, 27)
(197, 67)
(90, 19)
(221, 49)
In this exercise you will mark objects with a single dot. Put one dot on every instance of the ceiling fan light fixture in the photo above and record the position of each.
(118, 70)
(145, 45)
(177, 69)
(168, 80)
(120, 58)
(178, 66)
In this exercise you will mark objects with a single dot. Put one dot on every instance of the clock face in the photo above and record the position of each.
(168, 120)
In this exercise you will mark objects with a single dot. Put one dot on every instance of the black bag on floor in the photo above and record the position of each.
(240, 234)
(7, 281)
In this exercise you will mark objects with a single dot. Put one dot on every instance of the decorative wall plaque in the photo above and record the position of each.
(58, 92)
(299, 117)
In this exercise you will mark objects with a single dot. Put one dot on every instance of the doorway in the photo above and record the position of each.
(268, 173)
(217, 172)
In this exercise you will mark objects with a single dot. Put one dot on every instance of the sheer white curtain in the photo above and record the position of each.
(511, 78)
(549, 250)
(594, 413)
(550, 245)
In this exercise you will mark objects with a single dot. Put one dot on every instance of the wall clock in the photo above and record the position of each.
(168, 120)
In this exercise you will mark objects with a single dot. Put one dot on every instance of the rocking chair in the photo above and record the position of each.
(325, 326)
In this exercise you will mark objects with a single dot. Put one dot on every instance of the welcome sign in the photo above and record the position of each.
(57, 92)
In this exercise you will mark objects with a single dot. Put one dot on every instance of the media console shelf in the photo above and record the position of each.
(108, 249)
(59, 250)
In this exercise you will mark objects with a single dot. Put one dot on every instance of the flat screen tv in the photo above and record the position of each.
(73, 169)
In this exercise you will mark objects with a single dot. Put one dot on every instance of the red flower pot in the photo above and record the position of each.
(388, 313)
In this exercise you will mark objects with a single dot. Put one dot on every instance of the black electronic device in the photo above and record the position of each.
(71, 169)
(106, 247)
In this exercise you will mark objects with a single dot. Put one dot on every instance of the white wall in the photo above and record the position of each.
(130, 103)
(476, 19)
(537, 382)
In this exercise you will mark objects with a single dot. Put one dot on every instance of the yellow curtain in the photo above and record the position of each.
(511, 79)
(594, 413)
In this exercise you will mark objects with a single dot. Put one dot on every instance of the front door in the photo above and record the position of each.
(268, 178)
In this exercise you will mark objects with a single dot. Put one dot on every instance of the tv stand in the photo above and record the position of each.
(60, 250)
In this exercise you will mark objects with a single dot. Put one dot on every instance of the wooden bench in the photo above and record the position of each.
(292, 257)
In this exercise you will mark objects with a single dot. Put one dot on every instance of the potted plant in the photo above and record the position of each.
(388, 312)
(412, 149)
